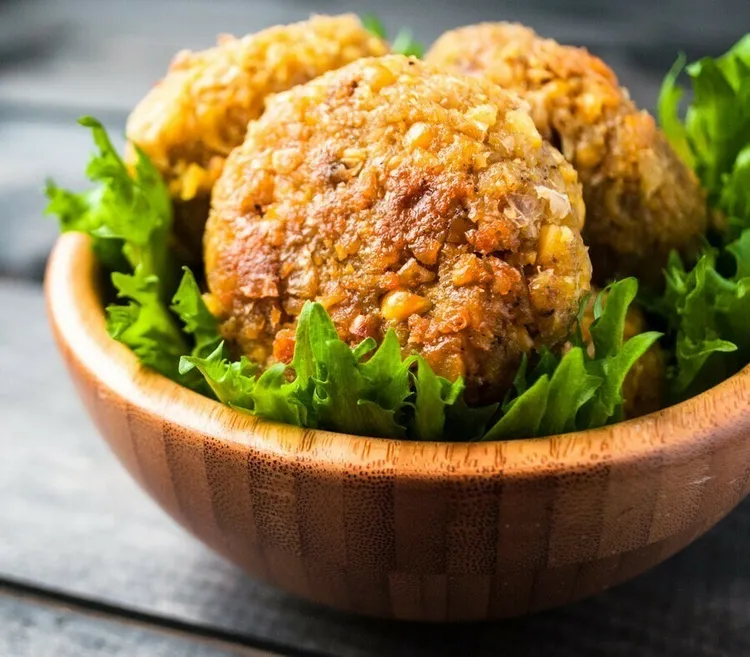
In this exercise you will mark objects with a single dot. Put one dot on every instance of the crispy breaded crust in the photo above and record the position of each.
(641, 200)
(191, 120)
(400, 196)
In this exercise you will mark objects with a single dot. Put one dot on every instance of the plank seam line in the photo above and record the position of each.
(231, 640)
(30, 112)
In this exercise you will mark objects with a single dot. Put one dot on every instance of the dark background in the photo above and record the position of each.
(88, 565)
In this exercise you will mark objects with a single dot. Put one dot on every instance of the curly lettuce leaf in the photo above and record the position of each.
(232, 382)
(374, 26)
(739, 250)
(548, 401)
(327, 384)
(522, 416)
(668, 110)
(196, 319)
(707, 307)
(344, 400)
(717, 121)
(199, 326)
(133, 210)
(386, 371)
(734, 199)
(128, 215)
(571, 386)
(612, 359)
(235, 383)
(74, 214)
(277, 399)
(467, 423)
(347, 395)
(271, 396)
(369, 391)
(144, 323)
(433, 394)
(405, 44)
(710, 314)
(577, 391)
(147, 327)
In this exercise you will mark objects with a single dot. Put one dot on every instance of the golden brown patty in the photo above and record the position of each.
(399, 196)
(191, 120)
(641, 200)
(645, 385)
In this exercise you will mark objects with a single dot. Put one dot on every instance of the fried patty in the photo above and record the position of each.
(400, 196)
(192, 119)
(641, 199)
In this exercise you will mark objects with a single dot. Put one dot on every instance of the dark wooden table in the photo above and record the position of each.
(88, 564)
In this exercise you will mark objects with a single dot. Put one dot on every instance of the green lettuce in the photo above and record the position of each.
(433, 395)
(668, 109)
(197, 321)
(707, 307)
(333, 386)
(327, 384)
(709, 315)
(128, 215)
(578, 390)
(716, 126)
(734, 198)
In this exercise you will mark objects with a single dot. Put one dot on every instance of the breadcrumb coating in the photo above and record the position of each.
(402, 196)
(641, 200)
(192, 119)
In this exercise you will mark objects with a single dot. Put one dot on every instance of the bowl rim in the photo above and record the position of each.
(75, 311)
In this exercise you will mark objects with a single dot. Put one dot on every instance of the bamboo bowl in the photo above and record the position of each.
(398, 529)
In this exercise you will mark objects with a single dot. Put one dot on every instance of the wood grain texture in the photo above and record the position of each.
(587, 510)
(32, 628)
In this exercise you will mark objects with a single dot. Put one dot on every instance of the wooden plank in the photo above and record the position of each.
(71, 520)
(33, 628)
(31, 152)
(93, 55)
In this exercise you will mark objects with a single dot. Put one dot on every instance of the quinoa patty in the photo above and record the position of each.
(400, 196)
(642, 201)
(192, 119)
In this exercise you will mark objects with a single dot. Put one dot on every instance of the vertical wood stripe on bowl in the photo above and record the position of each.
(425, 531)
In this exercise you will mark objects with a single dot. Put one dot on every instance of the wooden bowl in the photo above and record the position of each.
(398, 529)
